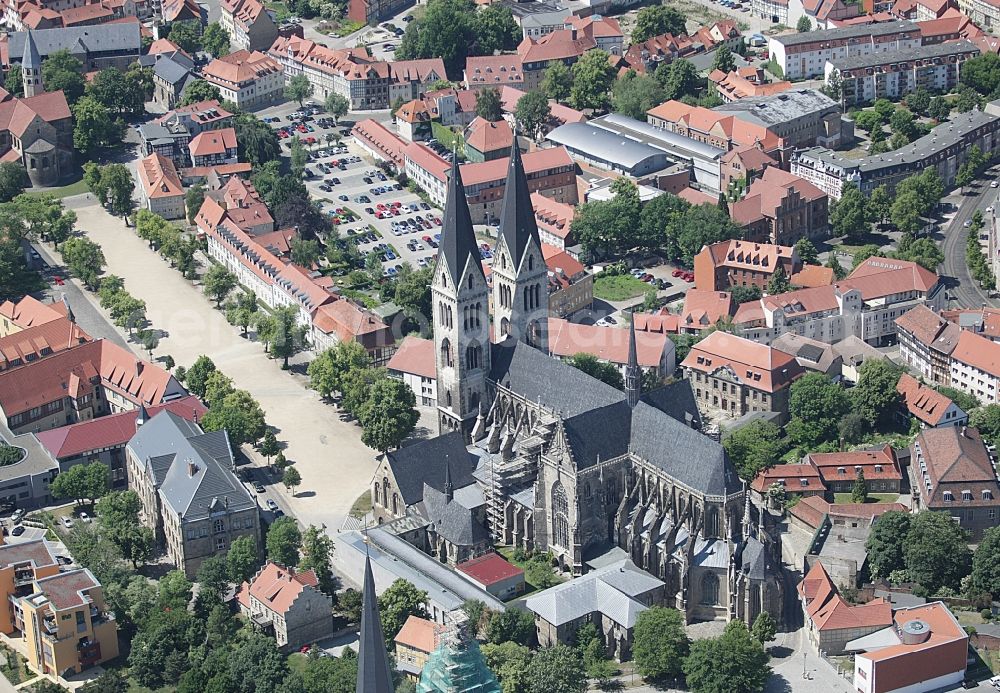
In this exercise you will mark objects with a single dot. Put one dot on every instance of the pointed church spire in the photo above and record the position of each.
(31, 57)
(633, 376)
(517, 217)
(449, 488)
(374, 675)
(458, 238)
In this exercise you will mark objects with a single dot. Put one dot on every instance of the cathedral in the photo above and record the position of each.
(544, 457)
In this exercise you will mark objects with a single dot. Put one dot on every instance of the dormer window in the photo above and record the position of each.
(878, 468)
(949, 496)
(987, 494)
(841, 470)
(967, 495)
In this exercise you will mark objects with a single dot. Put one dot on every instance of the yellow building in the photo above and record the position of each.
(61, 617)
(414, 643)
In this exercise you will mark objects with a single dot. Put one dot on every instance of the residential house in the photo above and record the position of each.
(951, 471)
(288, 604)
(413, 363)
(570, 286)
(926, 342)
(160, 187)
(171, 133)
(38, 341)
(606, 31)
(61, 618)
(802, 480)
(984, 321)
(975, 366)
(744, 83)
(554, 220)
(249, 25)
(928, 406)
(655, 351)
(611, 597)
(719, 266)
(29, 312)
(86, 381)
(249, 80)
(486, 141)
(839, 470)
(414, 643)
(832, 622)
(565, 46)
(214, 147)
(414, 119)
(782, 208)
(740, 167)
(170, 79)
(811, 354)
(186, 481)
(704, 309)
(493, 71)
(733, 376)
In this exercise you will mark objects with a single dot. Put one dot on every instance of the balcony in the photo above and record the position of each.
(50, 625)
(89, 652)
(23, 576)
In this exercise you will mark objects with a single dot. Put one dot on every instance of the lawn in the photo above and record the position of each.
(346, 28)
(872, 498)
(538, 573)
(77, 188)
(362, 505)
(619, 287)
(14, 668)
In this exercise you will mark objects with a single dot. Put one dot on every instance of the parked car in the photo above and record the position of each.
(84, 516)
(67, 522)
(18, 515)
(17, 531)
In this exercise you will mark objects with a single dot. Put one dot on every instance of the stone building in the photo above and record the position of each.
(287, 604)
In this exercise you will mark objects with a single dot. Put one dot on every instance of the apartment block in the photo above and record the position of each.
(249, 80)
(248, 24)
(805, 55)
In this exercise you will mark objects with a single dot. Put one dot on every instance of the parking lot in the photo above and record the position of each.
(381, 215)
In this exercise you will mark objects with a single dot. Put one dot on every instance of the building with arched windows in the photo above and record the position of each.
(554, 460)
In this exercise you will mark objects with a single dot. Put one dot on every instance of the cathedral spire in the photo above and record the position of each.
(374, 675)
(633, 376)
(458, 239)
(517, 217)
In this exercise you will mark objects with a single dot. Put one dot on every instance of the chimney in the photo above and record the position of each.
(192, 468)
(138, 368)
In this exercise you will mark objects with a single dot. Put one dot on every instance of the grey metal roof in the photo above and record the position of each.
(828, 158)
(602, 144)
(780, 108)
(655, 137)
(611, 591)
(169, 443)
(847, 32)
(423, 463)
(542, 19)
(100, 38)
(939, 50)
(169, 71)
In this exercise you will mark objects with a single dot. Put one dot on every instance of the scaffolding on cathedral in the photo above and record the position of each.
(457, 666)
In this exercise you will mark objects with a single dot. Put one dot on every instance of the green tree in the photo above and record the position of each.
(754, 447)
(923, 251)
(905, 213)
(388, 415)
(634, 94)
(187, 35)
(982, 73)
(199, 90)
(656, 20)
(413, 292)
(852, 428)
(398, 603)
(115, 189)
(879, 205)
(269, 446)
(875, 396)
(93, 127)
(256, 665)
(734, 662)
(257, 144)
(679, 78)
(803, 25)
(779, 283)
(985, 576)
(918, 100)
(865, 252)
(242, 560)
(488, 104)
(336, 105)
(764, 628)
(289, 337)
(511, 625)
(118, 517)
(724, 59)
(593, 75)
(215, 40)
(193, 200)
(197, 375)
(63, 72)
(859, 491)
(939, 109)
(987, 421)
(108, 682)
(510, 662)
(43, 217)
(291, 478)
(218, 283)
(316, 550)
(447, 30)
(557, 669)
(13, 180)
(14, 83)
(696, 227)
(833, 262)
(239, 415)
(81, 482)
(660, 643)
(495, 29)
(557, 83)
(849, 215)
(607, 373)
(936, 551)
(816, 405)
(745, 294)
(213, 581)
(119, 92)
(532, 113)
(885, 543)
(806, 251)
(85, 260)
(283, 541)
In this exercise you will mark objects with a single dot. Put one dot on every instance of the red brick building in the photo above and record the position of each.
(741, 263)
(782, 208)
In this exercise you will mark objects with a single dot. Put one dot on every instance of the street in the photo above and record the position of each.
(963, 290)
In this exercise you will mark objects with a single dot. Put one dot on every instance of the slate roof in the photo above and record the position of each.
(105, 38)
(452, 521)
(169, 71)
(677, 401)
(459, 247)
(169, 443)
(517, 216)
(374, 675)
(421, 464)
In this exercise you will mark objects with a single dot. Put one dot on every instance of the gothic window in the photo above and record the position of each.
(465, 317)
(586, 491)
(712, 522)
(395, 502)
(469, 282)
(447, 397)
(524, 297)
(560, 516)
(531, 262)
(478, 313)
(504, 327)
(377, 487)
(446, 352)
(385, 492)
(473, 356)
(710, 589)
(218, 526)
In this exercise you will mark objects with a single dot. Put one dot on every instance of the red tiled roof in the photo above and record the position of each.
(377, 136)
(944, 628)
(552, 216)
(978, 351)
(790, 476)
(110, 431)
(811, 276)
(486, 136)
(559, 45)
(930, 329)
(17, 115)
(606, 343)
(662, 321)
(493, 70)
(277, 587)
(696, 197)
(756, 365)
(925, 403)
(241, 67)
(40, 341)
(210, 142)
(414, 355)
(956, 460)
(29, 312)
(702, 309)
(351, 322)
(159, 177)
(419, 634)
(560, 114)
(767, 194)
(876, 464)
(489, 569)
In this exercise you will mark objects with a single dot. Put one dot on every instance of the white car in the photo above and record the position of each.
(67, 522)
(84, 516)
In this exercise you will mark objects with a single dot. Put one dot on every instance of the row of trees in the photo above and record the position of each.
(914, 198)
(234, 410)
(169, 241)
(383, 406)
(667, 224)
(975, 259)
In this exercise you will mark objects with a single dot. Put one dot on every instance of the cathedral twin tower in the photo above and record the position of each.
(463, 330)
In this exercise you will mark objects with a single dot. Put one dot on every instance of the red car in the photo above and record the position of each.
(677, 272)
(380, 207)
(397, 204)
(688, 276)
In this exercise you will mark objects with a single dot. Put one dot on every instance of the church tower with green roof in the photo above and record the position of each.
(457, 666)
